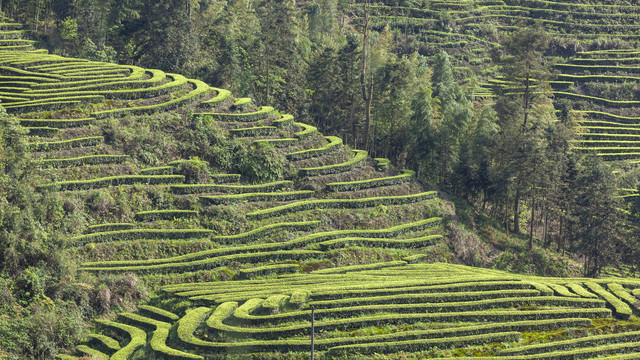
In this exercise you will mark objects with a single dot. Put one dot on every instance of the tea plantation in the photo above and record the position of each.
(601, 85)
(237, 263)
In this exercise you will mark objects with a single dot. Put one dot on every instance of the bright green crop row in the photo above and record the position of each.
(42, 131)
(56, 123)
(423, 344)
(158, 340)
(93, 353)
(268, 270)
(621, 308)
(284, 142)
(561, 290)
(153, 215)
(357, 160)
(241, 103)
(605, 61)
(465, 286)
(285, 121)
(626, 69)
(262, 114)
(84, 160)
(133, 80)
(138, 234)
(355, 319)
(155, 311)
(254, 131)
(598, 100)
(213, 262)
(61, 65)
(324, 287)
(406, 176)
(11, 34)
(192, 320)
(110, 227)
(607, 78)
(136, 93)
(307, 130)
(107, 341)
(158, 170)
(467, 300)
(7, 70)
(600, 114)
(17, 47)
(285, 245)
(260, 232)
(605, 136)
(611, 143)
(222, 94)
(274, 303)
(113, 181)
(230, 189)
(588, 123)
(15, 79)
(536, 325)
(252, 197)
(334, 143)
(91, 72)
(611, 129)
(382, 164)
(619, 291)
(587, 341)
(346, 269)
(138, 339)
(52, 103)
(385, 243)
(579, 353)
(618, 156)
(341, 203)
(200, 91)
(66, 144)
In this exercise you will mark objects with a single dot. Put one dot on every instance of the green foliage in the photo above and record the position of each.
(538, 261)
(195, 171)
(407, 175)
(359, 157)
(262, 197)
(113, 181)
(260, 163)
(334, 144)
(340, 203)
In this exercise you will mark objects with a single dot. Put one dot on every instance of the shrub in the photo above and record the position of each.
(260, 163)
(195, 171)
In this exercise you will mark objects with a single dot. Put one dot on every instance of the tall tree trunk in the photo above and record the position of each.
(533, 212)
(516, 213)
(546, 225)
(366, 95)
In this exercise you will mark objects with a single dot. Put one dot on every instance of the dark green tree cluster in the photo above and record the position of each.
(44, 306)
(513, 157)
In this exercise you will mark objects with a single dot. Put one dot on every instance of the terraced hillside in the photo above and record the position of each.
(596, 46)
(430, 310)
(336, 233)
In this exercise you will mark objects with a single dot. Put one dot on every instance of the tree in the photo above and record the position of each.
(281, 62)
(526, 72)
(367, 88)
(454, 110)
(596, 218)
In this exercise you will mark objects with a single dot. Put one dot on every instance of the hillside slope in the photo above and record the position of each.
(140, 161)
(595, 47)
